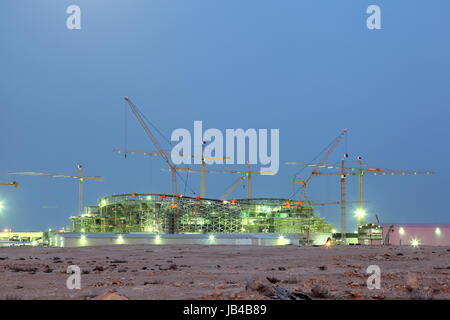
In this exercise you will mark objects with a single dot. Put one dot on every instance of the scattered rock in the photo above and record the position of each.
(355, 294)
(319, 292)
(411, 282)
(284, 294)
(274, 292)
(282, 268)
(98, 268)
(119, 261)
(322, 268)
(20, 269)
(111, 295)
(47, 270)
(291, 280)
(153, 282)
(261, 287)
(421, 295)
(272, 279)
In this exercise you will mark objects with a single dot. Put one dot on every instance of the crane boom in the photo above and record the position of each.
(156, 153)
(173, 168)
(324, 159)
(79, 177)
(248, 174)
(231, 189)
(222, 171)
(355, 171)
(148, 132)
(14, 183)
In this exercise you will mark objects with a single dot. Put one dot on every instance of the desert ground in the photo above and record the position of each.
(223, 272)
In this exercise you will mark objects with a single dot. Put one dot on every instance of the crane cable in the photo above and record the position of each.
(170, 143)
(294, 192)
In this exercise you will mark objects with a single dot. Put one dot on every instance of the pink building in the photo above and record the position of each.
(417, 234)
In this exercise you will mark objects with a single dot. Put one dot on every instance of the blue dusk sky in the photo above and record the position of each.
(309, 68)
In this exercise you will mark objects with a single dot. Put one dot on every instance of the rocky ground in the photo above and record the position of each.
(224, 272)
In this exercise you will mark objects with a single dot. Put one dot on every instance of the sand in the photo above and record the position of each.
(221, 272)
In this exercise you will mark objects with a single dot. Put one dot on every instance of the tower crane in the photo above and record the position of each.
(247, 174)
(79, 177)
(233, 187)
(356, 171)
(304, 182)
(14, 183)
(172, 167)
(155, 153)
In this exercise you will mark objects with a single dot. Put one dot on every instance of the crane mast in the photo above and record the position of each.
(80, 178)
(358, 171)
(156, 144)
(163, 154)
(324, 159)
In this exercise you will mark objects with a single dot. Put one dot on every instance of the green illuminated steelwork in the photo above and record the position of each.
(153, 213)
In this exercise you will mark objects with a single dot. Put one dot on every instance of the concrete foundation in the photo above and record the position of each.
(258, 239)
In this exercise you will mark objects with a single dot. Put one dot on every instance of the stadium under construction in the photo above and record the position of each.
(158, 217)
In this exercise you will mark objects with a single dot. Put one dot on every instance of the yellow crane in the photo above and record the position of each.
(356, 171)
(168, 154)
(172, 167)
(233, 187)
(79, 177)
(304, 182)
(161, 152)
(14, 183)
(248, 174)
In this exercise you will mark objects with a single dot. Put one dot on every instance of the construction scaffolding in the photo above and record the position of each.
(154, 213)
